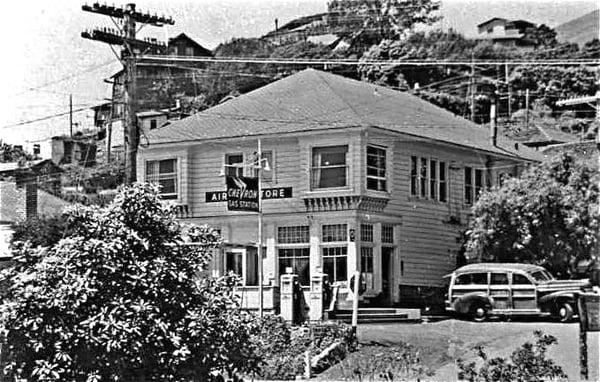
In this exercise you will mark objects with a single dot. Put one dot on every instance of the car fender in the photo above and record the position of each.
(552, 297)
(463, 303)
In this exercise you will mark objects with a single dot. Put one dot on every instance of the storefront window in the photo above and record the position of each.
(298, 259)
(335, 263)
(366, 233)
(329, 167)
(292, 235)
(387, 234)
(334, 232)
(366, 265)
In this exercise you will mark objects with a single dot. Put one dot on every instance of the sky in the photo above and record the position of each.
(46, 60)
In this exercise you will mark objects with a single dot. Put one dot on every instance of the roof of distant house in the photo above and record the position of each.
(313, 100)
(183, 36)
(491, 20)
(8, 168)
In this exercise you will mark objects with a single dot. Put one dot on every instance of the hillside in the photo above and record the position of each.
(581, 29)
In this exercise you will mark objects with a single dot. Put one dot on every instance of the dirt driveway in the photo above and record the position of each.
(441, 343)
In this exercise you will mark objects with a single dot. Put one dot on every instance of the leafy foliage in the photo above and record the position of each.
(122, 299)
(528, 363)
(44, 231)
(12, 153)
(547, 216)
(380, 362)
(282, 348)
(380, 19)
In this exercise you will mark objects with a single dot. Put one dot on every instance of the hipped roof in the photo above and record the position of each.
(313, 100)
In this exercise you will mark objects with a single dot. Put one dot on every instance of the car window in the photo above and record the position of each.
(540, 276)
(520, 279)
(471, 279)
(499, 279)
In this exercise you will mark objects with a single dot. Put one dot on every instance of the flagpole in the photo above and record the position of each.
(259, 242)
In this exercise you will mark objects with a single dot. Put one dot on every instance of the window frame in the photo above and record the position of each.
(158, 176)
(294, 248)
(381, 181)
(425, 181)
(344, 254)
(231, 170)
(474, 185)
(314, 183)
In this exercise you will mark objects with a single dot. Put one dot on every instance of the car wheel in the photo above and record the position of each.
(564, 312)
(478, 312)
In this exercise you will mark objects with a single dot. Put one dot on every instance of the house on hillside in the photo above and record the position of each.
(508, 33)
(26, 192)
(79, 149)
(360, 178)
(184, 45)
(298, 29)
(153, 84)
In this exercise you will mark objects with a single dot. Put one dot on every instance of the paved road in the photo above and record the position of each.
(441, 343)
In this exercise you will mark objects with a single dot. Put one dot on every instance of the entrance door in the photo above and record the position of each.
(244, 263)
(387, 272)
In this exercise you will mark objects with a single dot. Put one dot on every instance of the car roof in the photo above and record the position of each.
(487, 267)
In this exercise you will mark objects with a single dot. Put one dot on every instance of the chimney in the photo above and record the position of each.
(276, 25)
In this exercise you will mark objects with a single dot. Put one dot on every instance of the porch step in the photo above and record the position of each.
(376, 315)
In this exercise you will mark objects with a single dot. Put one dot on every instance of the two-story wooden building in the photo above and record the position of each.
(361, 177)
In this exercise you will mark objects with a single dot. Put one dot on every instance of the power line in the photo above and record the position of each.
(354, 62)
(72, 75)
(44, 118)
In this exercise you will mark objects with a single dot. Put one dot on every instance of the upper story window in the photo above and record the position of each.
(234, 164)
(474, 181)
(164, 174)
(376, 169)
(329, 168)
(428, 178)
(153, 124)
(189, 51)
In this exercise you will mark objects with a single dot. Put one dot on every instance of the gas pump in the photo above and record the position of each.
(320, 296)
(287, 305)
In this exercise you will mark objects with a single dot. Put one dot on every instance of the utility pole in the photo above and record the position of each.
(472, 88)
(71, 114)
(527, 108)
(132, 47)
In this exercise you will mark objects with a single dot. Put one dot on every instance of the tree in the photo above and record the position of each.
(380, 19)
(13, 153)
(122, 298)
(543, 36)
(548, 216)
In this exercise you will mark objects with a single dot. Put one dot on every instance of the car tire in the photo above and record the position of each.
(478, 312)
(564, 311)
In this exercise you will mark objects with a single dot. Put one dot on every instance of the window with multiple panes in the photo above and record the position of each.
(366, 233)
(328, 168)
(366, 265)
(473, 184)
(428, 178)
(335, 263)
(298, 259)
(164, 174)
(293, 234)
(234, 164)
(468, 185)
(292, 254)
(413, 175)
(387, 234)
(334, 232)
(376, 169)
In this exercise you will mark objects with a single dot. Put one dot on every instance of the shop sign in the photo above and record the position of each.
(242, 193)
(267, 193)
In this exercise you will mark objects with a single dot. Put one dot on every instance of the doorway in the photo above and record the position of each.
(387, 275)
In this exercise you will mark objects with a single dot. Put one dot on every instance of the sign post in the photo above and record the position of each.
(588, 305)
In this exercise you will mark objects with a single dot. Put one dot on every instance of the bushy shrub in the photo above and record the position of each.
(121, 299)
(527, 363)
(379, 362)
(282, 348)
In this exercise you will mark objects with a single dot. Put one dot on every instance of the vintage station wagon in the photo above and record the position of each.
(484, 289)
